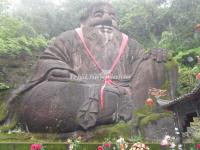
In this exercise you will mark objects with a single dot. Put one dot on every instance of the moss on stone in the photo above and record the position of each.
(9, 126)
(151, 118)
(14, 137)
(112, 131)
(3, 86)
(18, 135)
(169, 65)
(3, 111)
(146, 115)
(165, 85)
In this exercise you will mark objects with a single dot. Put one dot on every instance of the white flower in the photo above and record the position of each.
(71, 147)
(126, 145)
(120, 140)
(9, 132)
(172, 145)
(164, 142)
(167, 137)
(69, 141)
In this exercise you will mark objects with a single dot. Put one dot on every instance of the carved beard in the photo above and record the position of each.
(103, 43)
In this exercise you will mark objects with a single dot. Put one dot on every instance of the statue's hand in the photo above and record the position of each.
(59, 75)
(158, 55)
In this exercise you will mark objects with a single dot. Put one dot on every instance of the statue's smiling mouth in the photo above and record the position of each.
(104, 25)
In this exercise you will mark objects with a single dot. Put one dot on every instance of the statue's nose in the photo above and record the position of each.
(107, 22)
(107, 19)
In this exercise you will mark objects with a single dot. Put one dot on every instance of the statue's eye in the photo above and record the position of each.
(98, 14)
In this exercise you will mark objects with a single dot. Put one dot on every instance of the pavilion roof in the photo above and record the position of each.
(191, 96)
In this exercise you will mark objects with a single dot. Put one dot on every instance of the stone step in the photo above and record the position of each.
(189, 120)
(194, 129)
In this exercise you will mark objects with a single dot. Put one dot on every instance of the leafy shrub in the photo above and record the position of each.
(187, 73)
(16, 36)
(3, 86)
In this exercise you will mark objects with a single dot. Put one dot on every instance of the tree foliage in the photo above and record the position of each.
(16, 36)
(167, 24)
(49, 18)
(154, 23)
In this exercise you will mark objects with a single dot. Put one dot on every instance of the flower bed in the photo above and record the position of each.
(82, 146)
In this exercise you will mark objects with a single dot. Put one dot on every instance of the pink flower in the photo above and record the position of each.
(164, 143)
(198, 27)
(107, 145)
(198, 146)
(36, 147)
(198, 76)
(149, 102)
(100, 148)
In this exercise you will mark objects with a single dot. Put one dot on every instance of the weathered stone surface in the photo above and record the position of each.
(156, 130)
(62, 111)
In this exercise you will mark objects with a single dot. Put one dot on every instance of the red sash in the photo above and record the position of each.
(107, 80)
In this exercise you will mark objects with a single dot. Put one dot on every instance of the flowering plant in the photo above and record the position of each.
(195, 146)
(121, 144)
(73, 144)
(168, 141)
(106, 145)
(37, 147)
(100, 147)
(139, 146)
(198, 76)
(198, 146)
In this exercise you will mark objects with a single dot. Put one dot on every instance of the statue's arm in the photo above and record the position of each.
(56, 62)
(149, 71)
(138, 52)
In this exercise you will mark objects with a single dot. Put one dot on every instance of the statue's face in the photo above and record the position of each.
(102, 17)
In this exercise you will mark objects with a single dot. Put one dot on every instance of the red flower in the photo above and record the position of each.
(100, 148)
(36, 147)
(198, 76)
(198, 146)
(198, 27)
(107, 145)
(149, 102)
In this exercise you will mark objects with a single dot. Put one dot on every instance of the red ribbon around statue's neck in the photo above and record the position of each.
(107, 80)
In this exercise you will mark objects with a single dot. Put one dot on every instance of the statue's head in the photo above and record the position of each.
(101, 15)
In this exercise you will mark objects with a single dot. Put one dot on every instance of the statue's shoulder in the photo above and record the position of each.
(134, 44)
(133, 41)
(67, 35)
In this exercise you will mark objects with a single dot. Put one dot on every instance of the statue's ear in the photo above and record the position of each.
(84, 16)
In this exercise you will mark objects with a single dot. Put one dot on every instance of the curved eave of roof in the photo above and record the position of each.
(168, 104)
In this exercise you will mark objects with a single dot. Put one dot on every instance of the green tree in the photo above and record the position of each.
(144, 20)
(16, 36)
(51, 19)
(4, 5)
(184, 17)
